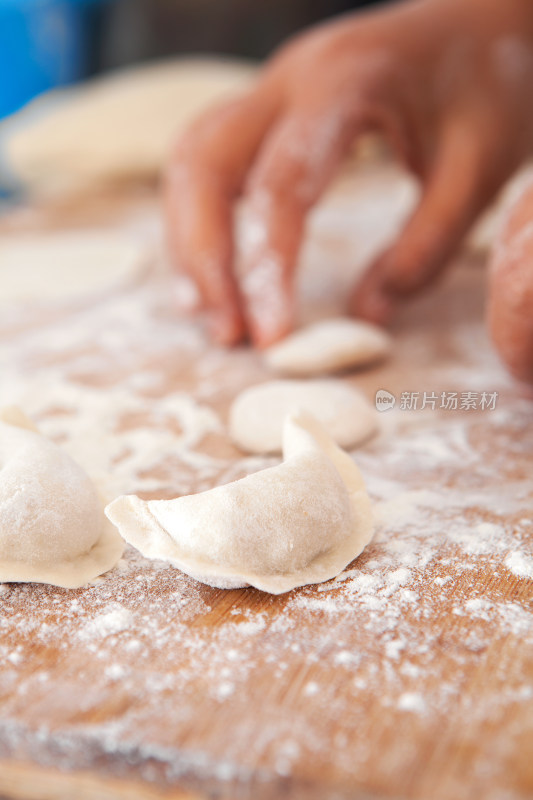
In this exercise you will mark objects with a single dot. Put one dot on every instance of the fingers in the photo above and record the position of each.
(510, 305)
(295, 164)
(456, 191)
(201, 245)
(271, 242)
(205, 176)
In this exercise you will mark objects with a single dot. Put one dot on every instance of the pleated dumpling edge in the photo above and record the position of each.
(298, 523)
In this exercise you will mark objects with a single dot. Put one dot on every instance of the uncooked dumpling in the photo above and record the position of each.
(52, 524)
(328, 346)
(297, 523)
(257, 415)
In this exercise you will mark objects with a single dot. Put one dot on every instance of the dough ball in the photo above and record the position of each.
(67, 266)
(118, 127)
(298, 523)
(257, 414)
(329, 346)
(52, 525)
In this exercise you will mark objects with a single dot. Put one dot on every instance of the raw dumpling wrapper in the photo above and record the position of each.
(257, 415)
(52, 524)
(328, 346)
(297, 523)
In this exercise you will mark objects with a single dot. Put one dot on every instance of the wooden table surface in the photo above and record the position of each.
(409, 676)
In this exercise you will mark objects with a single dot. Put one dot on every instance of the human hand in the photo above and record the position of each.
(510, 303)
(446, 81)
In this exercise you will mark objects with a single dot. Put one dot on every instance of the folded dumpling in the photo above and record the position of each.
(297, 523)
(52, 523)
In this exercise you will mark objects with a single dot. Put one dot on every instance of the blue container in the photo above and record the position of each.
(42, 45)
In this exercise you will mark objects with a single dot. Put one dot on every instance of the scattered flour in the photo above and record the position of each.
(412, 701)
(138, 399)
(115, 672)
(113, 621)
(519, 564)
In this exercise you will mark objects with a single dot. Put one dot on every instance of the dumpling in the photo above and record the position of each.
(329, 346)
(52, 524)
(257, 414)
(297, 523)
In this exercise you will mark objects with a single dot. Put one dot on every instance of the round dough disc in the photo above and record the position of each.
(329, 346)
(67, 266)
(257, 414)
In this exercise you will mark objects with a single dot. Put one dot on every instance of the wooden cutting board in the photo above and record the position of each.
(409, 676)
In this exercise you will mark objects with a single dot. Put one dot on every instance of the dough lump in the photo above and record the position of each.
(52, 525)
(118, 127)
(68, 265)
(328, 346)
(257, 414)
(297, 523)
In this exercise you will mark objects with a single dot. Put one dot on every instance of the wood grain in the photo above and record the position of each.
(26, 781)
(412, 677)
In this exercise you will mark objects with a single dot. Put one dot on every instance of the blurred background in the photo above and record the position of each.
(48, 43)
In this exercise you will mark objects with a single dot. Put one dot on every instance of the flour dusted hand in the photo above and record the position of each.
(458, 116)
(257, 414)
(329, 346)
(298, 523)
(52, 525)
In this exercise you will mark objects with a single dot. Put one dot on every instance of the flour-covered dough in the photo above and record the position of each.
(68, 266)
(52, 523)
(257, 414)
(297, 523)
(117, 127)
(329, 346)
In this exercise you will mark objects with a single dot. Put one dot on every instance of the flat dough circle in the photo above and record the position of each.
(257, 415)
(67, 266)
(329, 346)
(52, 524)
(298, 523)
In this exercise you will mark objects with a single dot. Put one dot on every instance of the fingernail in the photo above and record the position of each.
(375, 306)
(185, 294)
(225, 327)
(381, 308)
(269, 306)
(266, 333)
(270, 319)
